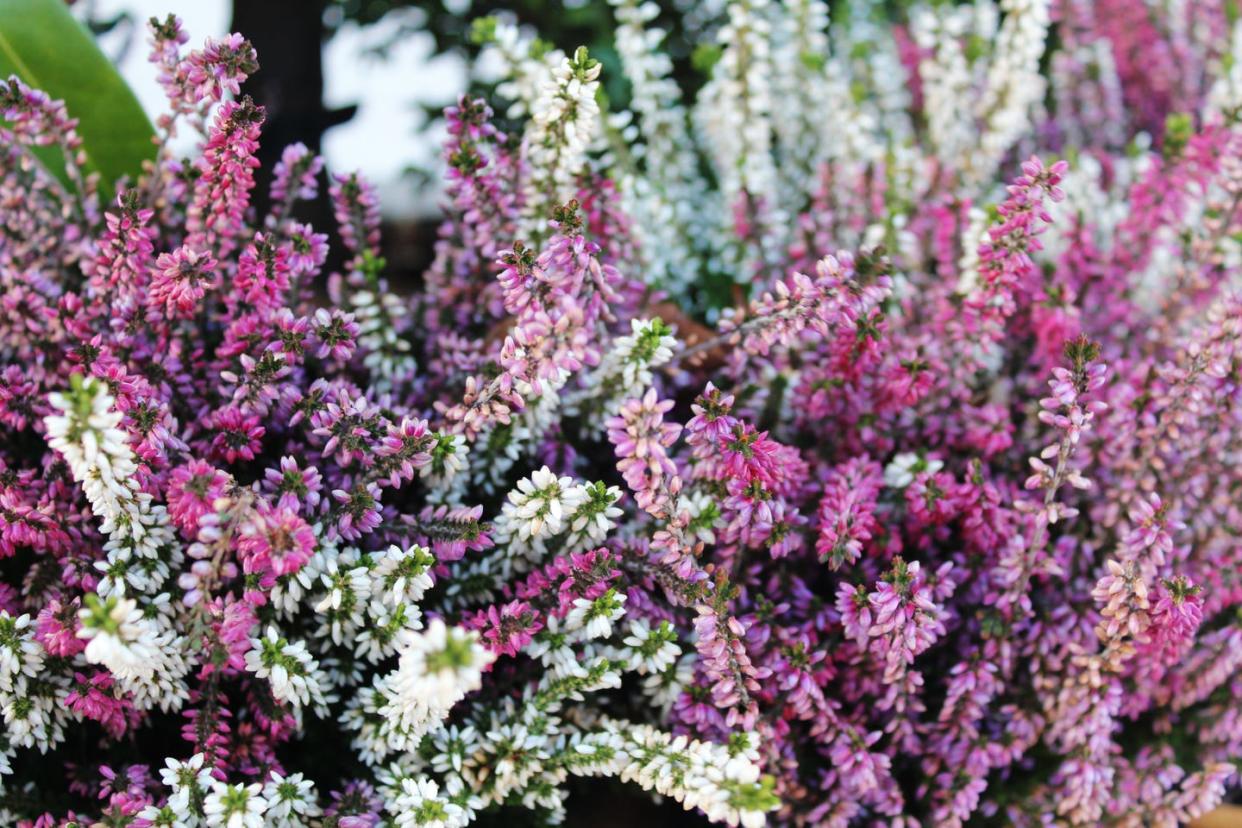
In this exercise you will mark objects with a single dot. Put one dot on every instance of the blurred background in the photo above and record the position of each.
(364, 81)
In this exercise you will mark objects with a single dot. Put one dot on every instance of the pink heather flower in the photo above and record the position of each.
(181, 280)
(1176, 613)
(640, 438)
(906, 620)
(238, 436)
(358, 510)
(308, 249)
(264, 272)
(336, 333)
(221, 67)
(855, 611)
(20, 400)
(124, 258)
(1148, 538)
(274, 542)
(846, 515)
(296, 488)
(1123, 598)
(452, 532)
(93, 698)
(233, 622)
(356, 209)
(404, 450)
(221, 194)
(506, 629)
(193, 490)
(805, 306)
(296, 175)
(56, 628)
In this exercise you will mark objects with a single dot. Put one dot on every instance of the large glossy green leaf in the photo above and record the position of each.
(48, 49)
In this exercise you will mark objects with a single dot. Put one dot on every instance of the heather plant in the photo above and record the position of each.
(856, 445)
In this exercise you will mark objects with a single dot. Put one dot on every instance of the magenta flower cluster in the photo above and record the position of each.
(937, 523)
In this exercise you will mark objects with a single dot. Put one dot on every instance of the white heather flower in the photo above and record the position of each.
(734, 113)
(166, 817)
(291, 801)
(1014, 85)
(290, 669)
(677, 216)
(625, 371)
(89, 436)
(119, 637)
(942, 33)
(649, 345)
(437, 668)
(552, 646)
(452, 745)
(901, 470)
(523, 68)
(235, 806)
(564, 117)
(420, 805)
(30, 714)
(20, 654)
(663, 689)
(386, 352)
(449, 456)
(400, 576)
(596, 616)
(721, 780)
(595, 517)
(188, 781)
(347, 585)
(538, 507)
(654, 651)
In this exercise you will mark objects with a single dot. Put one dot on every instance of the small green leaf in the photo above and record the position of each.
(705, 57)
(48, 49)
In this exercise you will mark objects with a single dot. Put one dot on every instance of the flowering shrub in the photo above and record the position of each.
(939, 524)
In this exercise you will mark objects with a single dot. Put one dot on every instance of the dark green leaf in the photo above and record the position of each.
(48, 49)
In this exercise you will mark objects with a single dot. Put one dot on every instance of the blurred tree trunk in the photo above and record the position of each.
(289, 37)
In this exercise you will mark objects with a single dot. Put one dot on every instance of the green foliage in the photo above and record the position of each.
(1178, 128)
(48, 49)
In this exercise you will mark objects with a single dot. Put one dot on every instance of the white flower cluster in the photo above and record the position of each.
(197, 798)
(563, 120)
(901, 470)
(948, 35)
(1226, 92)
(380, 315)
(140, 648)
(803, 90)
(540, 504)
(677, 217)
(523, 64)
(734, 112)
(721, 780)
(419, 802)
(369, 600)
(625, 372)
(437, 668)
(291, 670)
(28, 713)
(88, 434)
(1014, 82)
(520, 751)
(595, 618)
(545, 506)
